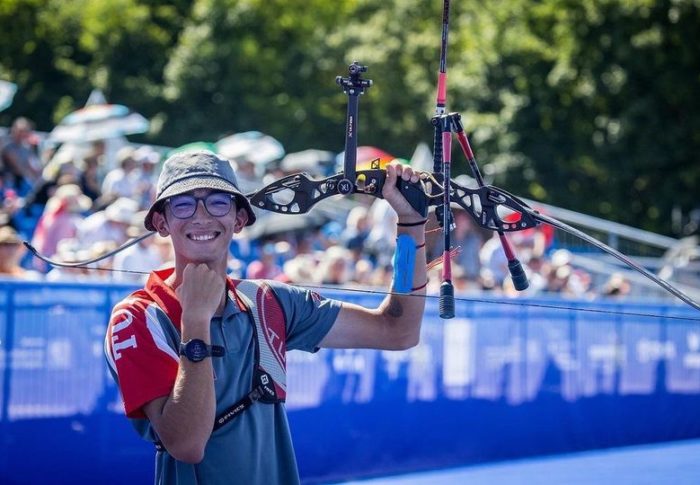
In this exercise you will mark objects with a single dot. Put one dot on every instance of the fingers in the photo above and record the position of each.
(395, 170)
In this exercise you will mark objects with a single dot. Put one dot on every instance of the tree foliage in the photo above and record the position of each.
(587, 104)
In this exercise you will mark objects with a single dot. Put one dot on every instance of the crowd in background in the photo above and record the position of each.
(74, 208)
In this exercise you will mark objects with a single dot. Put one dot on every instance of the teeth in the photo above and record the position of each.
(202, 237)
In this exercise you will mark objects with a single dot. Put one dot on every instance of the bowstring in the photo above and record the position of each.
(466, 299)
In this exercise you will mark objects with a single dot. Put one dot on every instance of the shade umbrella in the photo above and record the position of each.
(273, 224)
(99, 122)
(251, 146)
(312, 161)
(194, 146)
(7, 93)
(366, 155)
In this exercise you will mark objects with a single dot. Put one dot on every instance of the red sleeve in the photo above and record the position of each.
(139, 355)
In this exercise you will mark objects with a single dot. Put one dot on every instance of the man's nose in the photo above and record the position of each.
(200, 210)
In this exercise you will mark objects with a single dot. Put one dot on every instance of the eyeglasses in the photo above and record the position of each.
(218, 204)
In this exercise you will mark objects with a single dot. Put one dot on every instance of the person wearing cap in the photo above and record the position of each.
(173, 396)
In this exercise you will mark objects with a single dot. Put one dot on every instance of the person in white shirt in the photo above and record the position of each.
(123, 180)
(142, 257)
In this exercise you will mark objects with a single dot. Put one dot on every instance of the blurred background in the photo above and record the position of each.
(559, 97)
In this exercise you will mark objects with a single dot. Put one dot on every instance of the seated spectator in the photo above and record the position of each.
(494, 264)
(101, 270)
(69, 251)
(356, 229)
(89, 177)
(121, 181)
(266, 267)
(165, 250)
(617, 286)
(300, 269)
(10, 203)
(131, 263)
(468, 237)
(146, 177)
(11, 252)
(333, 267)
(109, 224)
(20, 165)
(381, 240)
(60, 219)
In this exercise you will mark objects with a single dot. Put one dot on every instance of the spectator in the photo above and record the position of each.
(89, 178)
(68, 251)
(147, 159)
(60, 219)
(266, 266)
(11, 252)
(617, 286)
(140, 258)
(467, 236)
(121, 181)
(300, 269)
(356, 231)
(19, 164)
(382, 235)
(494, 262)
(109, 224)
(333, 267)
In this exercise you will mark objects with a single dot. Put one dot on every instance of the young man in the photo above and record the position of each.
(186, 350)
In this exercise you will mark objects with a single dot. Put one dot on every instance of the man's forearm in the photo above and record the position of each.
(407, 309)
(187, 418)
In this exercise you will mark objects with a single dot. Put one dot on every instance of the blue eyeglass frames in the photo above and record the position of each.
(218, 204)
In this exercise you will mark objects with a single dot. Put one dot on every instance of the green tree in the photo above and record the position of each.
(255, 65)
(605, 120)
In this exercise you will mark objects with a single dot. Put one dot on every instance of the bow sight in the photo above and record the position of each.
(353, 86)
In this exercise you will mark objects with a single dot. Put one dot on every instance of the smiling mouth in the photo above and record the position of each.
(203, 237)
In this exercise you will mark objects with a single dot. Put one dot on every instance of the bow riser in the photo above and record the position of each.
(488, 205)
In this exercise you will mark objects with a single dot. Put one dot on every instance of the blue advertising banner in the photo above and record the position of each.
(504, 379)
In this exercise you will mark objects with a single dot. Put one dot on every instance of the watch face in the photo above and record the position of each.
(196, 350)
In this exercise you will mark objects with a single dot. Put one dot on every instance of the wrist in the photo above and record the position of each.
(196, 350)
(195, 327)
(411, 221)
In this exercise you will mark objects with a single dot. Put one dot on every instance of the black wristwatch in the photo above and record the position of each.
(196, 350)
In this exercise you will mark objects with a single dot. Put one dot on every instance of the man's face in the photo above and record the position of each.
(202, 237)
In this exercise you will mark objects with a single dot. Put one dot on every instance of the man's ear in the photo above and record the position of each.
(160, 223)
(241, 220)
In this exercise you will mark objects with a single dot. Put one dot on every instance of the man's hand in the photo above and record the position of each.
(200, 294)
(390, 192)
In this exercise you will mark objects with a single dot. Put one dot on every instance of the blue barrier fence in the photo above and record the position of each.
(500, 381)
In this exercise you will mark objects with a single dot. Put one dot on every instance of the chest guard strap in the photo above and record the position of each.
(269, 334)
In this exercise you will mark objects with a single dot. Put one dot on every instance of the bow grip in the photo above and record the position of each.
(415, 195)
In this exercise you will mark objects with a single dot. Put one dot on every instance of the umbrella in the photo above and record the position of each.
(273, 224)
(312, 161)
(193, 147)
(251, 146)
(7, 92)
(365, 156)
(99, 122)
